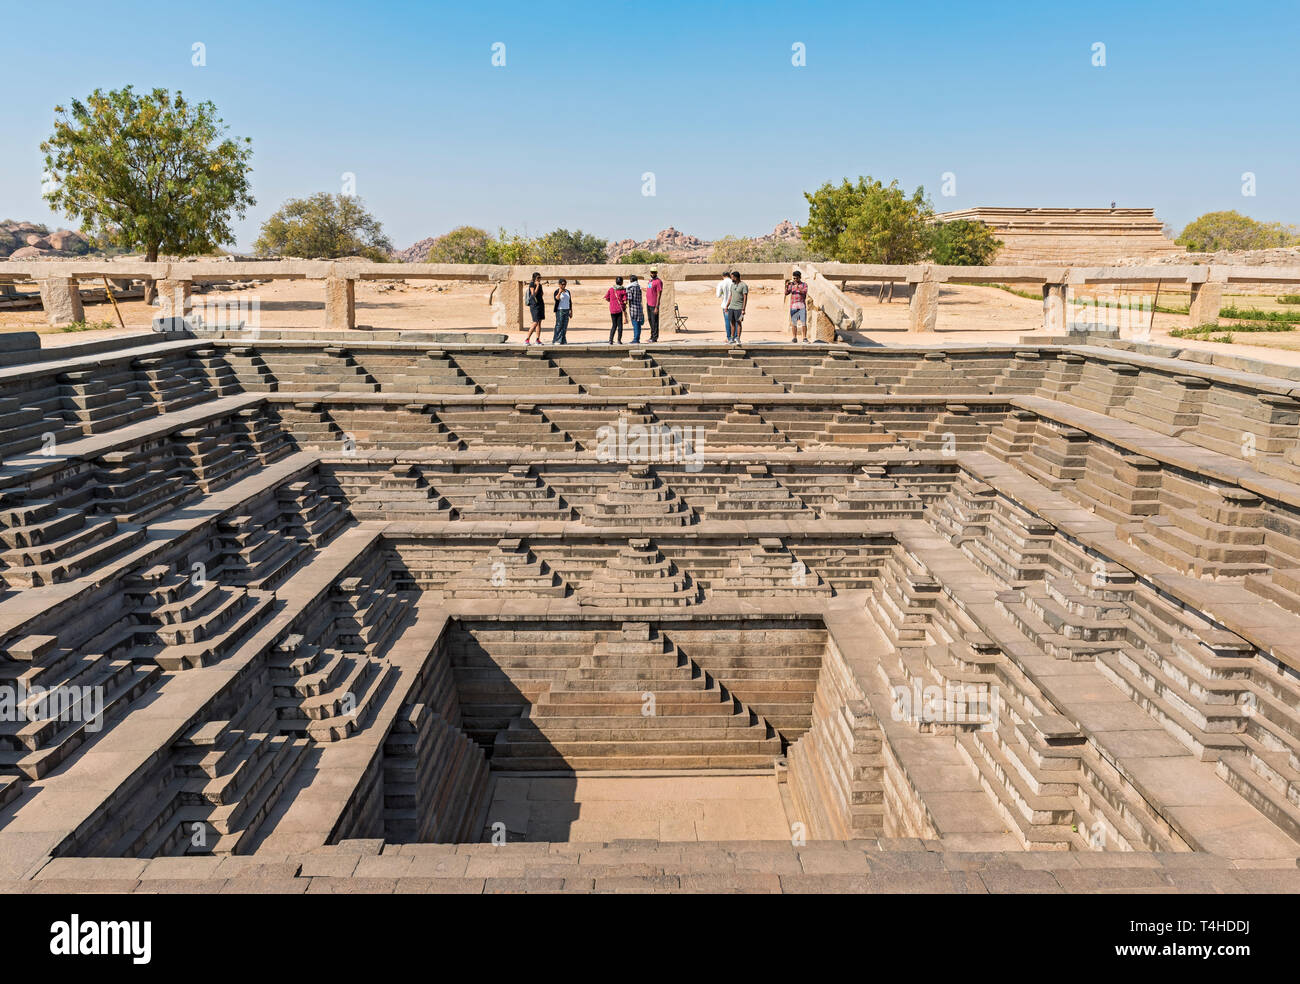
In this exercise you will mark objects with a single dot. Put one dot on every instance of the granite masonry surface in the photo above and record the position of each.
(338, 613)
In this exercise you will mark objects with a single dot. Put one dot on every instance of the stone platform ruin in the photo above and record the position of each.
(984, 617)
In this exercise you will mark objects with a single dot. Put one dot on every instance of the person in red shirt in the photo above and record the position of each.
(617, 297)
(654, 290)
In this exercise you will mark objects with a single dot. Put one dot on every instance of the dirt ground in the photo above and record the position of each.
(967, 314)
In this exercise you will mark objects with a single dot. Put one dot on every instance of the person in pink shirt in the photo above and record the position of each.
(617, 297)
(653, 291)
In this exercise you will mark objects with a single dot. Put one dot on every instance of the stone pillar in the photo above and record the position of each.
(1207, 298)
(1054, 308)
(515, 306)
(667, 300)
(174, 298)
(61, 298)
(923, 309)
(340, 303)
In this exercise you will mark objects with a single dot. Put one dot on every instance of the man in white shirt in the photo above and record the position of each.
(723, 292)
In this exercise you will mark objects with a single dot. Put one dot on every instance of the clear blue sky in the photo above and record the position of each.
(704, 95)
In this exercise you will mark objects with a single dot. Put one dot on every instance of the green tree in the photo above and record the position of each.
(641, 257)
(511, 248)
(868, 222)
(464, 244)
(785, 252)
(733, 249)
(963, 242)
(563, 246)
(151, 172)
(1214, 231)
(324, 225)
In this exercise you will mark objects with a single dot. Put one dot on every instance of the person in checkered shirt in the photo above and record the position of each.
(635, 307)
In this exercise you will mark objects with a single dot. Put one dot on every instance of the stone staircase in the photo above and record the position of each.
(757, 495)
(195, 622)
(639, 577)
(640, 499)
(435, 780)
(510, 570)
(768, 570)
(402, 494)
(46, 542)
(871, 496)
(226, 783)
(635, 701)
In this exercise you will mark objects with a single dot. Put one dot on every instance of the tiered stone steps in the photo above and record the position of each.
(435, 780)
(639, 499)
(639, 577)
(855, 428)
(737, 373)
(873, 496)
(838, 372)
(636, 374)
(635, 701)
(532, 374)
(324, 694)
(174, 381)
(47, 544)
(769, 570)
(60, 698)
(402, 494)
(432, 372)
(757, 495)
(196, 622)
(744, 427)
(510, 571)
(332, 370)
(101, 402)
(228, 781)
(1220, 535)
(518, 495)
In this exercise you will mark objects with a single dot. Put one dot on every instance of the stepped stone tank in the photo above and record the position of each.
(311, 608)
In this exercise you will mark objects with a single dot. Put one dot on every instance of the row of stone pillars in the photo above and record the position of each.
(62, 302)
(1206, 300)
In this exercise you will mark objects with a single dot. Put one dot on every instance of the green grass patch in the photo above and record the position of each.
(1013, 290)
(1255, 314)
(1205, 332)
(1109, 303)
(1288, 298)
(88, 326)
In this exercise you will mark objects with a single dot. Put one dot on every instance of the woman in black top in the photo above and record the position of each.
(536, 308)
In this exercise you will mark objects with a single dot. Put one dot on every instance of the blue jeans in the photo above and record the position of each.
(726, 323)
(733, 324)
(636, 331)
(561, 326)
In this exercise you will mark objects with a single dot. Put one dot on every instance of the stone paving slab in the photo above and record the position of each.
(872, 867)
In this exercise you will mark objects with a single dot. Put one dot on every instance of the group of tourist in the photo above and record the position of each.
(639, 304)
(635, 303)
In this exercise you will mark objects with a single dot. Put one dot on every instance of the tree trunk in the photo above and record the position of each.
(150, 285)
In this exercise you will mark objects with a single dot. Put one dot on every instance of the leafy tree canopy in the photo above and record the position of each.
(464, 244)
(963, 242)
(324, 225)
(868, 222)
(563, 246)
(1214, 231)
(641, 257)
(153, 172)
